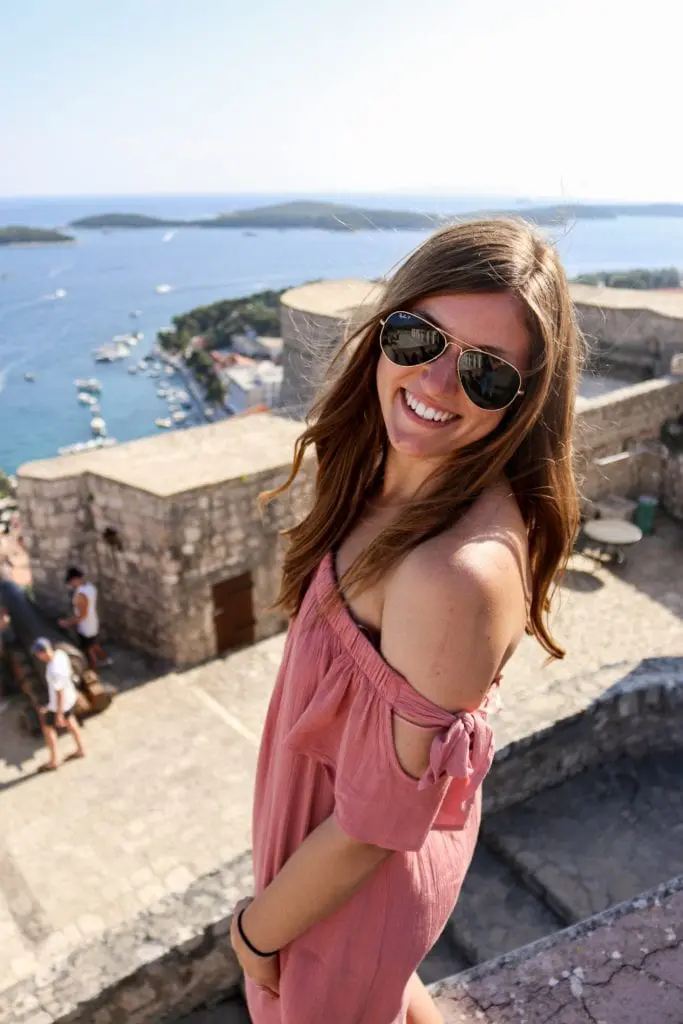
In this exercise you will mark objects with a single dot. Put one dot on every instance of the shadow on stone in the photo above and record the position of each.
(582, 581)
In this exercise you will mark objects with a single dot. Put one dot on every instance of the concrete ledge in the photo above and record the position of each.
(641, 713)
(571, 968)
(165, 962)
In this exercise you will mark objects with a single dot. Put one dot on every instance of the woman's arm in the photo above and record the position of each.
(319, 877)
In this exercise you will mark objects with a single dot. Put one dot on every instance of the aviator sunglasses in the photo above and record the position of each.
(489, 382)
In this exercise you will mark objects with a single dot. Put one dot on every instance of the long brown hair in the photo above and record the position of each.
(532, 445)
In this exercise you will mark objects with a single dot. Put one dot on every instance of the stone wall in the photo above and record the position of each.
(56, 529)
(167, 961)
(309, 341)
(621, 966)
(218, 534)
(672, 484)
(637, 340)
(617, 439)
(156, 571)
(613, 422)
(640, 714)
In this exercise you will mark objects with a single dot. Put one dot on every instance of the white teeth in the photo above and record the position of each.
(426, 412)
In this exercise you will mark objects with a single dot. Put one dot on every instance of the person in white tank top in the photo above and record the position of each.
(60, 710)
(85, 617)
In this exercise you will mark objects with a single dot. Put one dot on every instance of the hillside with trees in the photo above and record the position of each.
(19, 234)
(638, 278)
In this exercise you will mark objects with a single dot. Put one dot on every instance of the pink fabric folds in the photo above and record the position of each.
(464, 752)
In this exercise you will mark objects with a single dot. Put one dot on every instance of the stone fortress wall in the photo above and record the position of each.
(633, 331)
(158, 543)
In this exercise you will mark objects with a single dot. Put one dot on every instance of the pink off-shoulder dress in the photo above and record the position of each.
(328, 748)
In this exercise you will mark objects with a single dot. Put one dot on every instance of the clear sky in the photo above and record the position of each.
(516, 97)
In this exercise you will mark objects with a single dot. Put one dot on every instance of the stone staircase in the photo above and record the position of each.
(557, 858)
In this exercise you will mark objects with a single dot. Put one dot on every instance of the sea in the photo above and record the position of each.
(58, 303)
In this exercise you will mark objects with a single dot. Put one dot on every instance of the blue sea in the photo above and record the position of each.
(107, 275)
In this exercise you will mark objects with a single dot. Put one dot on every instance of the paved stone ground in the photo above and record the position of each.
(607, 834)
(164, 794)
(623, 971)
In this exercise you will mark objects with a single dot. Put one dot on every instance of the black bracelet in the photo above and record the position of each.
(247, 943)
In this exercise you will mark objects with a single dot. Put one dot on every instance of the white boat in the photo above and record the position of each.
(164, 422)
(163, 289)
(135, 312)
(88, 384)
(98, 426)
(162, 393)
(29, 376)
(179, 416)
(170, 370)
(60, 293)
(209, 413)
(86, 446)
(168, 236)
(86, 398)
(133, 368)
(112, 352)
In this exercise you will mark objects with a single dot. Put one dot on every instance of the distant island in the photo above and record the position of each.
(297, 214)
(17, 234)
(340, 217)
(638, 278)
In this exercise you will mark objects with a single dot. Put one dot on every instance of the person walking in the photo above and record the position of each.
(444, 507)
(59, 712)
(85, 618)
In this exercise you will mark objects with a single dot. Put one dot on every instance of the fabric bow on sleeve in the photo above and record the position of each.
(463, 752)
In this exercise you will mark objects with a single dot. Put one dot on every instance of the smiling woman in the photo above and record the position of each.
(444, 507)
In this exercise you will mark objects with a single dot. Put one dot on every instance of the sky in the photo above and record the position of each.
(526, 98)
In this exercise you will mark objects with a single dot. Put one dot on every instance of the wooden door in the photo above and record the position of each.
(233, 613)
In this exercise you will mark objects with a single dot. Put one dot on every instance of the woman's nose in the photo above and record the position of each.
(441, 376)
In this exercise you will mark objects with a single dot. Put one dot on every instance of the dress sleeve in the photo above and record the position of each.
(377, 802)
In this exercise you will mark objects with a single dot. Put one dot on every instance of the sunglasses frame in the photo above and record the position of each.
(456, 343)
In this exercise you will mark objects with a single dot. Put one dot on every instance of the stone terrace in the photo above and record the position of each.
(163, 797)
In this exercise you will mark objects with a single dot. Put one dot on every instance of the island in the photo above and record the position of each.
(18, 234)
(642, 278)
(299, 214)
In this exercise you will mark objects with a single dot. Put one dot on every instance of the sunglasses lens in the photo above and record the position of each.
(407, 340)
(489, 382)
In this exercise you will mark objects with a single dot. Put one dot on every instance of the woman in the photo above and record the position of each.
(444, 507)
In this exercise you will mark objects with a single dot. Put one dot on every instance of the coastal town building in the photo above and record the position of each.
(257, 346)
(249, 386)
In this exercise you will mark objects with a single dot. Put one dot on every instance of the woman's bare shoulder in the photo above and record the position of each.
(455, 607)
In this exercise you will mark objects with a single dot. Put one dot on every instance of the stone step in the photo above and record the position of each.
(443, 960)
(497, 913)
(597, 839)
(232, 1011)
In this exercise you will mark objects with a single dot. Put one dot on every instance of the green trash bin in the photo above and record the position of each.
(645, 513)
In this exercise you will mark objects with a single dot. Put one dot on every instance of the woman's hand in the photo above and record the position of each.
(263, 971)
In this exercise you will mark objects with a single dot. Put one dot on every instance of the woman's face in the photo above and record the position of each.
(488, 321)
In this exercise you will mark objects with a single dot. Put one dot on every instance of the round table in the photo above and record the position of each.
(612, 535)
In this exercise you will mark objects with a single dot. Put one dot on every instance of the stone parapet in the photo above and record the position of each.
(622, 965)
(166, 961)
(640, 714)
